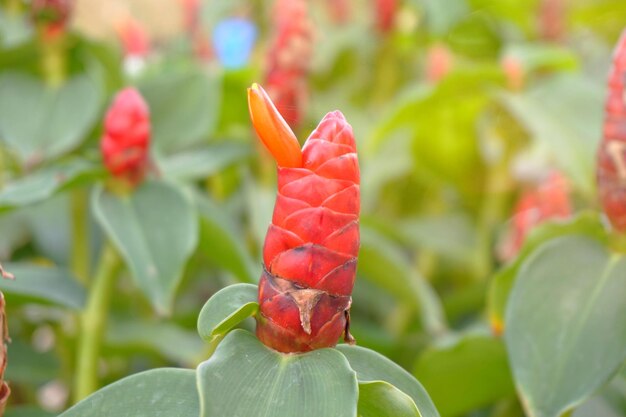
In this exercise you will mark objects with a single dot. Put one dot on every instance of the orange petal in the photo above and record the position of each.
(272, 129)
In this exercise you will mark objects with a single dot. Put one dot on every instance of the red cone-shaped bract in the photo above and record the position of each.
(611, 171)
(127, 136)
(311, 245)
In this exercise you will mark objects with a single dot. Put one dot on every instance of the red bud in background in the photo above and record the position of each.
(51, 15)
(134, 37)
(311, 246)
(439, 62)
(126, 139)
(552, 19)
(386, 14)
(611, 170)
(549, 201)
(289, 59)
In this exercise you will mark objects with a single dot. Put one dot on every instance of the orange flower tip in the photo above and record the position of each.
(272, 129)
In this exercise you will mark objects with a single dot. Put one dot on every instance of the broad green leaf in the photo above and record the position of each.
(566, 324)
(222, 241)
(371, 367)
(166, 338)
(227, 308)
(542, 57)
(40, 122)
(183, 108)
(44, 283)
(42, 184)
(586, 223)
(381, 399)
(246, 378)
(564, 113)
(155, 230)
(382, 263)
(164, 392)
(200, 163)
(467, 373)
(27, 411)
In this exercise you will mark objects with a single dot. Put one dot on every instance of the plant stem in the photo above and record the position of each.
(80, 262)
(93, 323)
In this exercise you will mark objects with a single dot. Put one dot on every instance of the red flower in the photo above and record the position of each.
(611, 171)
(311, 246)
(548, 201)
(289, 59)
(439, 62)
(126, 139)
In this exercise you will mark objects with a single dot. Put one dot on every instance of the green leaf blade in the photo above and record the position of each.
(566, 331)
(227, 308)
(165, 392)
(155, 230)
(371, 366)
(244, 377)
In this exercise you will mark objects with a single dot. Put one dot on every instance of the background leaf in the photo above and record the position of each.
(471, 367)
(39, 122)
(566, 324)
(44, 283)
(184, 108)
(155, 230)
(244, 377)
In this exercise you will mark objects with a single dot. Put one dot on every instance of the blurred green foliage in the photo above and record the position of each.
(458, 109)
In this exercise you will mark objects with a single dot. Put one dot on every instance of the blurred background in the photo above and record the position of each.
(477, 122)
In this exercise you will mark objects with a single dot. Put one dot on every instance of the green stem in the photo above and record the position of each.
(93, 323)
(80, 262)
(498, 184)
(53, 61)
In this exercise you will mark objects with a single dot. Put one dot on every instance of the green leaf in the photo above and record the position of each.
(50, 284)
(155, 230)
(222, 242)
(27, 366)
(371, 367)
(44, 183)
(382, 263)
(165, 392)
(227, 308)
(246, 378)
(183, 108)
(157, 337)
(474, 367)
(27, 411)
(381, 399)
(586, 223)
(566, 324)
(39, 122)
(441, 17)
(200, 163)
(565, 114)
